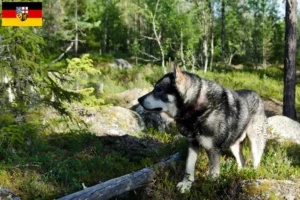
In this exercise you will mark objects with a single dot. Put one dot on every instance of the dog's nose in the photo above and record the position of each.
(140, 100)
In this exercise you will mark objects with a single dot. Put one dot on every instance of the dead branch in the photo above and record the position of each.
(149, 55)
(62, 55)
(122, 184)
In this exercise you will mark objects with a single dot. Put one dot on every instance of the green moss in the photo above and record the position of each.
(259, 190)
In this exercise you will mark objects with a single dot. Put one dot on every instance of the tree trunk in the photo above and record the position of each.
(243, 21)
(76, 30)
(135, 36)
(105, 41)
(211, 52)
(264, 55)
(290, 59)
(223, 31)
(76, 40)
(121, 184)
(99, 89)
(193, 61)
(127, 25)
(211, 7)
(181, 51)
(49, 27)
(205, 53)
(205, 50)
(158, 37)
(11, 96)
(20, 114)
(230, 59)
(256, 59)
(139, 20)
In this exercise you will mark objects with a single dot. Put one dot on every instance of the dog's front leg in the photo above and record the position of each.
(214, 161)
(186, 183)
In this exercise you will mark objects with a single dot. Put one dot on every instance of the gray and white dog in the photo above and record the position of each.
(209, 115)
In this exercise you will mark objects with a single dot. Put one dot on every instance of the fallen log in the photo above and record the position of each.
(121, 184)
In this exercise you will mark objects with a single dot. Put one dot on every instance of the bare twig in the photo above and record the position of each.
(143, 59)
(27, 165)
(60, 57)
(149, 55)
(149, 38)
(56, 2)
(82, 33)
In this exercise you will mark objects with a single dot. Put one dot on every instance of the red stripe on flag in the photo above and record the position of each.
(31, 13)
(8, 13)
(35, 13)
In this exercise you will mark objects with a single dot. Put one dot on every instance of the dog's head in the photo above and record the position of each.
(167, 93)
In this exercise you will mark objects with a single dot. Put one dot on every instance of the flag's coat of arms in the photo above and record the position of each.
(21, 14)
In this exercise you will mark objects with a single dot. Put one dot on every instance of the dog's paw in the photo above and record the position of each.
(184, 186)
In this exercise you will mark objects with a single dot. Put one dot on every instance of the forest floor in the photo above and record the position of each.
(49, 165)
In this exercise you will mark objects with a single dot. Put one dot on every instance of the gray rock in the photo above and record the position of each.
(283, 128)
(8, 194)
(121, 64)
(113, 121)
(154, 120)
(239, 66)
(129, 98)
(269, 189)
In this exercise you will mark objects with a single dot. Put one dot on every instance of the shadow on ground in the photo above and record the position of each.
(293, 152)
(59, 164)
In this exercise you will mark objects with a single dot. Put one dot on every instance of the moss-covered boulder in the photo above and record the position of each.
(115, 121)
(269, 189)
(129, 98)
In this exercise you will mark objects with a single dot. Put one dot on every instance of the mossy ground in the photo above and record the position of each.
(36, 163)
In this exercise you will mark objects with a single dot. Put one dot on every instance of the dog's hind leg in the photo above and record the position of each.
(256, 133)
(186, 183)
(237, 151)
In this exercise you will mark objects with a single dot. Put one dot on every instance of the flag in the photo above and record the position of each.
(22, 13)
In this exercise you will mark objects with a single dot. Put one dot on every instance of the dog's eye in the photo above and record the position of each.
(158, 89)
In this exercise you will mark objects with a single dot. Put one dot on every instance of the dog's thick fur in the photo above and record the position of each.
(209, 115)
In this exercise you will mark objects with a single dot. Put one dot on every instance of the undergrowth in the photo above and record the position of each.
(48, 166)
(277, 163)
(36, 163)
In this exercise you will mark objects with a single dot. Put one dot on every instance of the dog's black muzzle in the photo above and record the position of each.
(141, 99)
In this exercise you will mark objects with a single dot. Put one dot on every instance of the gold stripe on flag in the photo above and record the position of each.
(17, 22)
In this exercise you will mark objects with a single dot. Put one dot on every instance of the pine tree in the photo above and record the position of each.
(290, 59)
(29, 77)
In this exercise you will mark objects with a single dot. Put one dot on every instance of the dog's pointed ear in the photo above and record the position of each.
(177, 72)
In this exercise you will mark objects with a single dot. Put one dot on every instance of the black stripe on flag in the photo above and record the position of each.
(13, 5)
